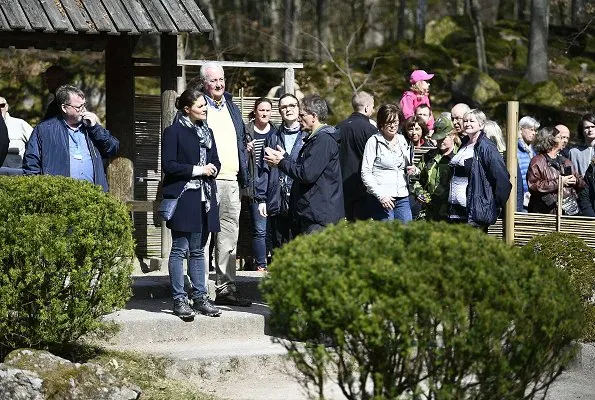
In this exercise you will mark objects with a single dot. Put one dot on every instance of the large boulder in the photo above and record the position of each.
(440, 29)
(476, 85)
(37, 374)
(544, 93)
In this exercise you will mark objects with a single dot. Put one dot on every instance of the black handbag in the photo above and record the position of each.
(167, 207)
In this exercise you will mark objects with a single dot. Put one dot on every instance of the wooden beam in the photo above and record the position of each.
(119, 88)
(512, 122)
(152, 70)
(243, 64)
(169, 55)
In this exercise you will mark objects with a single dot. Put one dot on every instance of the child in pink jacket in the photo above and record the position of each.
(418, 94)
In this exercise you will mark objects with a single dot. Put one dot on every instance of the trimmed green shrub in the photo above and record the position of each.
(66, 251)
(572, 255)
(423, 310)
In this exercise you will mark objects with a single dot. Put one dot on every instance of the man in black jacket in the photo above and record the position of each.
(3, 140)
(317, 192)
(354, 132)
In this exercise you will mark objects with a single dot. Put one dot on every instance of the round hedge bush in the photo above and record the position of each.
(573, 256)
(423, 310)
(65, 259)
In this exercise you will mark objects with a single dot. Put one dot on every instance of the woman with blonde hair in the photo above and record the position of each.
(480, 183)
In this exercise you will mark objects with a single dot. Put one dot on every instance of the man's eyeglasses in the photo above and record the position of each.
(287, 106)
(214, 81)
(586, 128)
(302, 115)
(77, 108)
(457, 119)
(2, 105)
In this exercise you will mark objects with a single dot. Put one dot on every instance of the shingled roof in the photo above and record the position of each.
(112, 17)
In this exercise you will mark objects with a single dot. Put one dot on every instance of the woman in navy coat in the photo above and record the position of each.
(190, 164)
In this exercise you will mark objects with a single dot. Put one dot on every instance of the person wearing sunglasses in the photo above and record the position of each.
(73, 144)
(19, 132)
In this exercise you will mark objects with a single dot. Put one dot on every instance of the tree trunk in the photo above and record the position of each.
(420, 20)
(577, 13)
(207, 7)
(291, 14)
(275, 24)
(473, 10)
(537, 62)
(401, 19)
(322, 29)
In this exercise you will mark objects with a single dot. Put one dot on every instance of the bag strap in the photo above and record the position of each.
(183, 190)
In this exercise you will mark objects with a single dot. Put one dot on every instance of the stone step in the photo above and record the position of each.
(152, 321)
(155, 285)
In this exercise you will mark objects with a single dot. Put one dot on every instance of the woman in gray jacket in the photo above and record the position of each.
(386, 165)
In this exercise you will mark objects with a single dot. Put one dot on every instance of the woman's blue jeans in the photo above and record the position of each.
(402, 210)
(259, 235)
(193, 245)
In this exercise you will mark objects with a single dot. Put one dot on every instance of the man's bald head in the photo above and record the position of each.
(564, 134)
(457, 113)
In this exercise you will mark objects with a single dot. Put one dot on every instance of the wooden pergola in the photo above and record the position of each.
(113, 26)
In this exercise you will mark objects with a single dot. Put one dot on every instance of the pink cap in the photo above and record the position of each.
(420, 75)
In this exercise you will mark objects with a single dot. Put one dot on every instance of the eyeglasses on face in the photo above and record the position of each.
(457, 118)
(214, 81)
(588, 128)
(287, 106)
(303, 114)
(77, 108)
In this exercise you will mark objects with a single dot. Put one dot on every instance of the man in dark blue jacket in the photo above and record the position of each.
(354, 132)
(225, 119)
(73, 144)
(317, 193)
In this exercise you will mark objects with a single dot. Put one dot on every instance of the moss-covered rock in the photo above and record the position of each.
(475, 84)
(440, 29)
(546, 93)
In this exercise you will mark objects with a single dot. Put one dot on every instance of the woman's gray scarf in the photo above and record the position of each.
(205, 140)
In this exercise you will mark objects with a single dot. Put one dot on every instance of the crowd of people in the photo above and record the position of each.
(305, 174)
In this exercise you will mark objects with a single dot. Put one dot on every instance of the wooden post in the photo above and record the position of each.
(119, 89)
(289, 81)
(181, 80)
(559, 207)
(512, 121)
(169, 52)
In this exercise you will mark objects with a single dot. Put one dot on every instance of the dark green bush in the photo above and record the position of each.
(423, 310)
(66, 253)
(572, 255)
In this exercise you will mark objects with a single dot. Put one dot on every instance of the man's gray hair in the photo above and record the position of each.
(360, 100)
(63, 94)
(528, 122)
(314, 104)
(210, 65)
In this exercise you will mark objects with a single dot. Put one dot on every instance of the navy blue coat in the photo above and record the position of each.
(317, 191)
(489, 183)
(267, 189)
(47, 151)
(179, 154)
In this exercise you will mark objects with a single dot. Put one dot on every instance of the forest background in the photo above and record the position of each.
(483, 52)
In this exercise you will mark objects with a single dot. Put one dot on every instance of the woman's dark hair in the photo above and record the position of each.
(580, 128)
(545, 139)
(289, 95)
(411, 121)
(258, 102)
(388, 113)
(188, 98)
